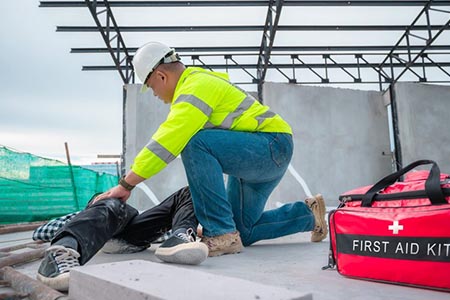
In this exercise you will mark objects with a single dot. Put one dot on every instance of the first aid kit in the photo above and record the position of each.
(395, 231)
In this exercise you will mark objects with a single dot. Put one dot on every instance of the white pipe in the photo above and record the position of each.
(147, 191)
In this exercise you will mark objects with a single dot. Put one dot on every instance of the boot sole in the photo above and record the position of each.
(187, 254)
(323, 223)
(60, 283)
(234, 250)
(219, 253)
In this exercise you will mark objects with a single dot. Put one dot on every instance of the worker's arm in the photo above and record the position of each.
(122, 191)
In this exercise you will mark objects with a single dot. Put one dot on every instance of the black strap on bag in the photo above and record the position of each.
(432, 184)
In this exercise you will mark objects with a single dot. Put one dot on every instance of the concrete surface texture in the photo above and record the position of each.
(424, 122)
(291, 262)
(140, 279)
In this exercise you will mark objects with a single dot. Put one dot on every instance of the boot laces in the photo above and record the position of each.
(188, 236)
(66, 259)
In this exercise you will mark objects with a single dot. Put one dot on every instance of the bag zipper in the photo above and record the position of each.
(393, 196)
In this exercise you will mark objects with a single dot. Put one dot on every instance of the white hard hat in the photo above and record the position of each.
(149, 56)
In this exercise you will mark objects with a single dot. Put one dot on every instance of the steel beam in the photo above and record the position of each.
(241, 3)
(252, 49)
(267, 48)
(247, 28)
(268, 38)
(282, 66)
(406, 38)
(125, 70)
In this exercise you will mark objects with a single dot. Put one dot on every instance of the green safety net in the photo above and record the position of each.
(34, 188)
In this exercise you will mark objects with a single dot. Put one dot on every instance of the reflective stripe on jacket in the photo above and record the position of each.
(203, 99)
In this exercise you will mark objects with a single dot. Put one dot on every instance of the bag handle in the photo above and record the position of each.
(432, 184)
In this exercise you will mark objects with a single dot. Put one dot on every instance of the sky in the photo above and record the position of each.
(46, 100)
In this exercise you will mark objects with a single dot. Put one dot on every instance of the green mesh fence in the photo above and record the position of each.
(33, 188)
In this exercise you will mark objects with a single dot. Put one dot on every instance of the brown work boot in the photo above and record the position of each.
(317, 206)
(228, 243)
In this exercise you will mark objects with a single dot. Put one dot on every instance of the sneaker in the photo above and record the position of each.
(317, 206)
(182, 248)
(54, 269)
(119, 246)
(228, 243)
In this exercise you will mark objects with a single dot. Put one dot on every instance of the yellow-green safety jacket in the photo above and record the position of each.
(203, 99)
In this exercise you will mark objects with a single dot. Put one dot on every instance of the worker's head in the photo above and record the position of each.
(159, 68)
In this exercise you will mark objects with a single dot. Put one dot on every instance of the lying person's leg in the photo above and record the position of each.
(176, 213)
(81, 238)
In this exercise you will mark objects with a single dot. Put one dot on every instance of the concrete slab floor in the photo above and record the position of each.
(291, 262)
(141, 279)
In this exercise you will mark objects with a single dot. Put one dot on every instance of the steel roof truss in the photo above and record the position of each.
(405, 38)
(111, 27)
(268, 38)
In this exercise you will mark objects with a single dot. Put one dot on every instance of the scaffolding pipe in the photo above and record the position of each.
(24, 284)
(12, 228)
(34, 245)
(72, 177)
(14, 259)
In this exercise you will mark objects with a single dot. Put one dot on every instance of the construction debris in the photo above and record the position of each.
(24, 285)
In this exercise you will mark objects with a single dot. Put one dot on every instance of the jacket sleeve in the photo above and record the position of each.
(188, 114)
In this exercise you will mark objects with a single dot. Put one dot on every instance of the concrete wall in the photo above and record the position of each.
(339, 136)
(424, 123)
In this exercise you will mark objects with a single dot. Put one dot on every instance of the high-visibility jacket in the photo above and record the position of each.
(203, 99)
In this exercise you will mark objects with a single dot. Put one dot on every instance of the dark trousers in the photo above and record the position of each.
(108, 218)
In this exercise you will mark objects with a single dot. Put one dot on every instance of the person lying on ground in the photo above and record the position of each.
(127, 232)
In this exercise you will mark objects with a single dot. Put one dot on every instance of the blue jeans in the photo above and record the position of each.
(255, 164)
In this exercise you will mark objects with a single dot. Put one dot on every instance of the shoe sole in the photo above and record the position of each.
(60, 283)
(231, 250)
(187, 254)
(322, 222)
(224, 252)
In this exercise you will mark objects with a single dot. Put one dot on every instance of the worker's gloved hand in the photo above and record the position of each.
(118, 192)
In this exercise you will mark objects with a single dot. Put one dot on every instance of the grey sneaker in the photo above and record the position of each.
(119, 246)
(182, 248)
(317, 206)
(228, 243)
(54, 269)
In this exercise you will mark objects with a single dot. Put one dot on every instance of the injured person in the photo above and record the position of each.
(117, 227)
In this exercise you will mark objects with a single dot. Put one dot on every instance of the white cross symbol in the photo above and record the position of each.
(395, 227)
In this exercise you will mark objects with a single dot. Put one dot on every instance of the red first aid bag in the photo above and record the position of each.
(395, 232)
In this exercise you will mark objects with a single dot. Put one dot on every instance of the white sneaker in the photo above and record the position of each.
(182, 248)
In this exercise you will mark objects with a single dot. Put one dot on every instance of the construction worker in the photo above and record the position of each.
(220, 129)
